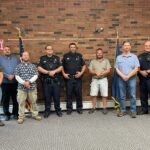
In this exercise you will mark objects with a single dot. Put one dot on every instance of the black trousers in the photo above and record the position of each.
(144, 93)
(9, 90)
(74, 88)
(52, 90)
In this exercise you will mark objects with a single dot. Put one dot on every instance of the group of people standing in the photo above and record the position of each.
(19, 80)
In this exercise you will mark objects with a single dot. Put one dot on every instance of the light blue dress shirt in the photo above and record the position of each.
(127, 63)
(8, 64)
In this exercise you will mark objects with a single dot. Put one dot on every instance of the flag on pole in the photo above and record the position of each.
(27, 103)
(1, 44)
(21, 46)
(115, 86)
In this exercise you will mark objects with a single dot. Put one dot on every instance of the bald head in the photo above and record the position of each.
(147, 46)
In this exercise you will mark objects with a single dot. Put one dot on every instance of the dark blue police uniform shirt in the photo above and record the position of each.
(72, 63)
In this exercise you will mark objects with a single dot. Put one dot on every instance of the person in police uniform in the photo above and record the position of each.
(50, 68)
(73, 69)
(144, 76)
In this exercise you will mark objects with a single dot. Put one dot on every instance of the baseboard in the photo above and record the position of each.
(86, 105)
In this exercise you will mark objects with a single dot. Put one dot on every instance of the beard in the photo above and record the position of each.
(7, 54)
(25, 60)
(99, 56)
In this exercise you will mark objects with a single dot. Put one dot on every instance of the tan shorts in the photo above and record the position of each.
(99, 85)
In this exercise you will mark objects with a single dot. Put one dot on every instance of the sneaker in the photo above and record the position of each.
(37, 117)
(20, 121)
(105, 111)
(133, 114)
(1, 124)
(91, 111)
(121, 114)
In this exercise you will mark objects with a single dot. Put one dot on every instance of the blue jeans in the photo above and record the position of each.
(130, 87)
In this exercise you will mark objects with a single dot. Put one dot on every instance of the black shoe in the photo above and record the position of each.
(7, 118)
(142, 112)
(46, 114)
(59, 113)
(15, 117)
(1, 124)
(69, 112)
(79, 111)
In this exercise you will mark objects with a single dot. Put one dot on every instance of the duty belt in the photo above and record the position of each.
(71, 76)
(51, 80)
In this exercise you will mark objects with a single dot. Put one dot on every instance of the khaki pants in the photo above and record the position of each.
(31, 95)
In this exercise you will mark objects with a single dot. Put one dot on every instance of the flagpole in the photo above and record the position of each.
(117, 34)
(117, 104)
(27, 103)
(117, 40)
(19, 32)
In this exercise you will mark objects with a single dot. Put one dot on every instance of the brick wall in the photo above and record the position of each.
(59, 22)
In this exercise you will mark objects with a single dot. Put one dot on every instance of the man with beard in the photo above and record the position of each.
(73, 69)
(8, 63)
(144, 76)
(99, 68)
(26, 74)
(127, 65)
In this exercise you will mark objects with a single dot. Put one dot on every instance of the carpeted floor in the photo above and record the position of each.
(78, 132)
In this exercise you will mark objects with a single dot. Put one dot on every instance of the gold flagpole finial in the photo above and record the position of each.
(117, 34)
(19, 31)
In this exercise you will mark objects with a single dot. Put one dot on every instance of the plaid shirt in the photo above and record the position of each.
(26, 72)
